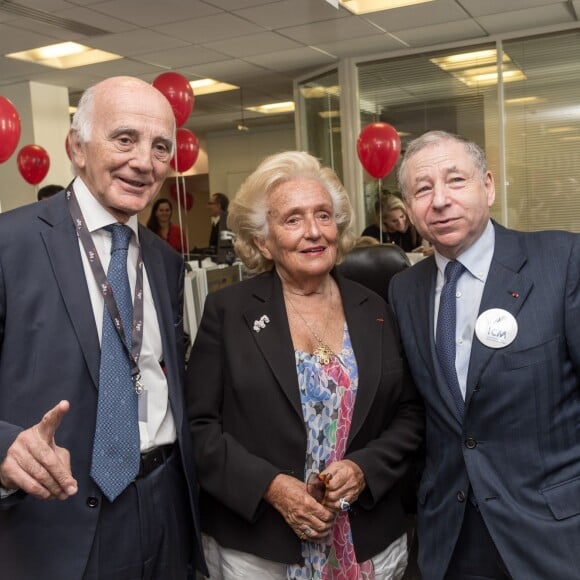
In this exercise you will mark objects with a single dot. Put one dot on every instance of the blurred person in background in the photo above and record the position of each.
(160, 223)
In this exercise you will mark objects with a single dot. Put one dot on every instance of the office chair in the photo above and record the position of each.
(374, 266)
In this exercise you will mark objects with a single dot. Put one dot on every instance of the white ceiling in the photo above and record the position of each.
(260, 45)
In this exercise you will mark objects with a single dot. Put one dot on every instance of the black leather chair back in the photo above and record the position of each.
(374, 266)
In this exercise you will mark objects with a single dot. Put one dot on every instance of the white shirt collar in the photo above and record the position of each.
(477, 258)
(95, 215)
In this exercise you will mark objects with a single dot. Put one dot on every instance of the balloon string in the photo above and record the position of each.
(380, 198)
(180, 196)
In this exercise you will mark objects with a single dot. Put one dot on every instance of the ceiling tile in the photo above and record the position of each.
(361, 46)
(146, 13)
(415, 16)
(135, 42)
(330, 31)
(210, 28)
(96, 19)
(230, 71)
(123, 66)
(238, 4)
(522, 19)
(44, 5)
(180, 57)
(440, 33)
(14, 39)
(291, 59)
(252, 44)
(291, 13)
(479, 8)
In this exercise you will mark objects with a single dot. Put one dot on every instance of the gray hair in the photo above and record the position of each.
(82, 122)
(432, 138)
(247, 217)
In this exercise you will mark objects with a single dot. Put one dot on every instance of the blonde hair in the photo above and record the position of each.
(247, 217)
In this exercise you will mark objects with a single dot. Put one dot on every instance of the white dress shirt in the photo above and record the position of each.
(158, 428)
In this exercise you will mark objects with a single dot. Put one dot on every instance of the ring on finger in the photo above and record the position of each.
(343, 504)
(308, 531)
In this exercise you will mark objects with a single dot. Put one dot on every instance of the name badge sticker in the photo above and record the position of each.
(496, 328)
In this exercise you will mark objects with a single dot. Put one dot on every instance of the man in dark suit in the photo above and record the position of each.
(217, 204)
(495, 352)
(55, 303)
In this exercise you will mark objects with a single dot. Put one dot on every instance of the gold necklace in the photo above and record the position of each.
(322, 351)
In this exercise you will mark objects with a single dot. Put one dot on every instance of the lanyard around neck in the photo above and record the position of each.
(105, 288)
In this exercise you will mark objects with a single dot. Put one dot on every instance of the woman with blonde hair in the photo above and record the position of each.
(396, 226)
(302, 413)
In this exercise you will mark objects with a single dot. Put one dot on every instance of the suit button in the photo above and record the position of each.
(92, 502)
(460, 496)
(470, 443)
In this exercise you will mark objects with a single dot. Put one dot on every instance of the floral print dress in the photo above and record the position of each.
(328, 394)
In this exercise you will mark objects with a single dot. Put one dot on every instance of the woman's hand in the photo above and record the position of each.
(307, 518)
(346, 484)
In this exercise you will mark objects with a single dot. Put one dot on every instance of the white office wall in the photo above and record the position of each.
(233, 156)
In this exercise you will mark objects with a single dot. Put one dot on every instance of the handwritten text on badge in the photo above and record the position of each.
(496, 328)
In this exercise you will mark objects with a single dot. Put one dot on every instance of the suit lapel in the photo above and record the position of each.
(365, 330)
(63, 250)
(505, 288)
(274, 340)
(157, 276)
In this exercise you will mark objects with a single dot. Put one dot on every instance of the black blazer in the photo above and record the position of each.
(49, 350)
(522, 410)
(247, 423)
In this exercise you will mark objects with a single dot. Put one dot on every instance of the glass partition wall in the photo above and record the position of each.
(518, 99)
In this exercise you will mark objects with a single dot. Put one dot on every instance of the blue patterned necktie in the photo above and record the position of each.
(446, 331)
(116, 444)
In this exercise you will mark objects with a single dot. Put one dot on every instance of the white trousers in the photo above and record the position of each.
(227, 564)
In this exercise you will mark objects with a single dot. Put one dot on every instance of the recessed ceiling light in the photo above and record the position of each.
(468, 59)
(319, 92)
(64, 55)
(524, 100)
(479, 68)
(208, 86)
(366, 6)
(561, 129)
(272, 108)
(329, 114)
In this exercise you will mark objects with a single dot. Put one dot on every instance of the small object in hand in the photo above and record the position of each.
(317, 485)
(343, 504)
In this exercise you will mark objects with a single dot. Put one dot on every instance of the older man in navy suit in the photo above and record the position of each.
(92, 364)
(491, 328)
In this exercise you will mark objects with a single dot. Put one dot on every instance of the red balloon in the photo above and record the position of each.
(186, 150)
(187, 199)
(378, 148)
(33, 163)
(9, 129)
(178, 92)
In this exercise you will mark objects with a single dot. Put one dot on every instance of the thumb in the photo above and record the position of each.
(51, 421)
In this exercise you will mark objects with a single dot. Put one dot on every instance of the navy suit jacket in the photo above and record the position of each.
(248, 425)
(522, 411)
(49, 351)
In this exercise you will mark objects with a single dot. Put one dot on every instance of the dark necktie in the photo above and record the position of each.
(116, 444)
(446, 331)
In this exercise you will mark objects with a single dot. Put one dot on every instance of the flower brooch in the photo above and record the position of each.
(261, 323)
